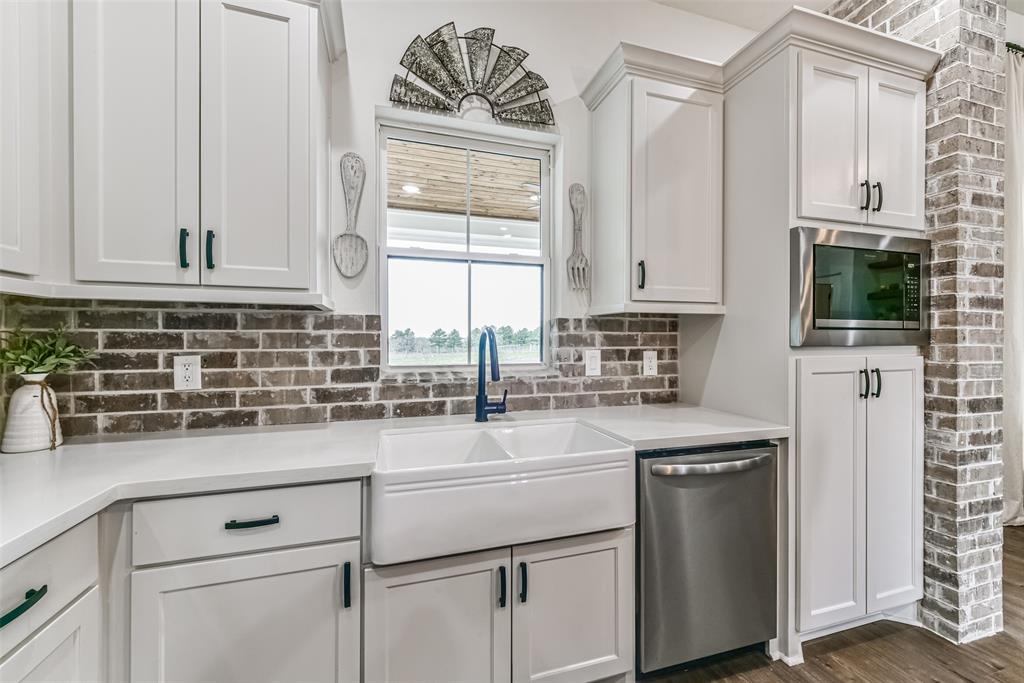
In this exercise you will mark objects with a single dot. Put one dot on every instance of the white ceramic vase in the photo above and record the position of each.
(32, 423)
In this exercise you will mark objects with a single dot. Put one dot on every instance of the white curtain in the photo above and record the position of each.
(1013, 255)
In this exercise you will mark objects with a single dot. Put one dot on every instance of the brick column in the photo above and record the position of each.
(963, 366)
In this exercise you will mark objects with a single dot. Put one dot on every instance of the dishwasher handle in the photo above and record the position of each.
(712, 467)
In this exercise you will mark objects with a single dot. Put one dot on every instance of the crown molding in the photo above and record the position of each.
(333, 25)
(803, 28)
(633, 60)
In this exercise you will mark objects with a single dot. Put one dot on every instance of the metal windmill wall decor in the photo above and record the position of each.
(457, 67)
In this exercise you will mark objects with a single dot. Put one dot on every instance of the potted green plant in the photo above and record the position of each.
(32, 419)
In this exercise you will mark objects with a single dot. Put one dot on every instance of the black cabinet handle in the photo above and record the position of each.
(522, 582)
(502, 587)
(867, 195)
(182, 247)
(643, 274)
(32, 596)
(866, 383)
(878, 386)
(209, 249)
(252, 523)
(878, 206)
(346, 585)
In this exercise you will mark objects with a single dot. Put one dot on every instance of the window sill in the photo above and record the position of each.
(450, 374)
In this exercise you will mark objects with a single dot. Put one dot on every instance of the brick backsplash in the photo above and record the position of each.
(963, 367)
(268, 366)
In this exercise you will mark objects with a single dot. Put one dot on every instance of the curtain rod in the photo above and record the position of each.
(1014, 47)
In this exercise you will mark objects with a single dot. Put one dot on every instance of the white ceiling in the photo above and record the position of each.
(756, 15)
(1015, 6)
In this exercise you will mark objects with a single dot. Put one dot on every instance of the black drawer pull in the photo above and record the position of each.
(522, 582)
(32, 596)
(252, 523)
(643, 274)
(878, 207)
(346, 585)
(866, 384)
(878, 387)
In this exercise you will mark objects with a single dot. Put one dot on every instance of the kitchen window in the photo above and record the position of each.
(465, 245)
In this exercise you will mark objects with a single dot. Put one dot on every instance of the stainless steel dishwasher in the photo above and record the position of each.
(707, 549)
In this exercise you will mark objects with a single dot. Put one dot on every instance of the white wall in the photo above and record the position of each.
(1015, 27)
(567, 41)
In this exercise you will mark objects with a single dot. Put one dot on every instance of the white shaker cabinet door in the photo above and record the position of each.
(573, 609)
(896, 154)
(676, 194)
(440, 620)
(22, 141)
(256, 159)
(895, 481)
(67, 649)
(833, 138)
(831, 421)
(288, 615)
(135, 110)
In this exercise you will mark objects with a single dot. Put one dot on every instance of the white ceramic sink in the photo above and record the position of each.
(448, 490)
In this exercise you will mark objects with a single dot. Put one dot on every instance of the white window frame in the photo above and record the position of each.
(467, 138)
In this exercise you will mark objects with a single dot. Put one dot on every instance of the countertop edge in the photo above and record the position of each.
(80, 510)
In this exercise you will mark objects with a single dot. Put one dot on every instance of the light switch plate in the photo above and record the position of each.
(188, 373)
(592, 357)
(650, 362)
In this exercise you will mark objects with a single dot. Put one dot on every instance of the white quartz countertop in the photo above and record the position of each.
(43, 494)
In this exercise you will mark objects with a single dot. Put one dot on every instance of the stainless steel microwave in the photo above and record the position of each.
(857, 289)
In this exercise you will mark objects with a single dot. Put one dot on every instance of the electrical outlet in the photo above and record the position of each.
(592, 358)
(188, 373)
(650, 362)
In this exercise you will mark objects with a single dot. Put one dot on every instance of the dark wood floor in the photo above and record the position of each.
(886, 652)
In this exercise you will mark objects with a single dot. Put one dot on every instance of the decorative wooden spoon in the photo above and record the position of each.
(350, 250)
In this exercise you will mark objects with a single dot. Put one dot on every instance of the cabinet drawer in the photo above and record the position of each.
(67, 566)
(227, 523)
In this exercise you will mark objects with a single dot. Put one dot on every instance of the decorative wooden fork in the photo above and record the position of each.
(577, 264)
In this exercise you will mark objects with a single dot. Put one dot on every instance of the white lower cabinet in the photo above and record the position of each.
(440, 620)
(572, 619)
(67, 649)
(559, 611)
(860, 487)
(286, 615)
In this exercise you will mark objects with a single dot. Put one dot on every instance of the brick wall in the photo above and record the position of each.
(277, 366)
(963, 368)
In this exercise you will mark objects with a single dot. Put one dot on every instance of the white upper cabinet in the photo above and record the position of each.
(656, 153)
(201, 148)
(136, 141)
(257, 57)
(833, 138)
(860, 156)
(676, 193)
(23, 58)
(896, 150)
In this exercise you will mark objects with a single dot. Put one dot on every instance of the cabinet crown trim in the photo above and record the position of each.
(634, 60)
(333, 25)
(804, 28)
